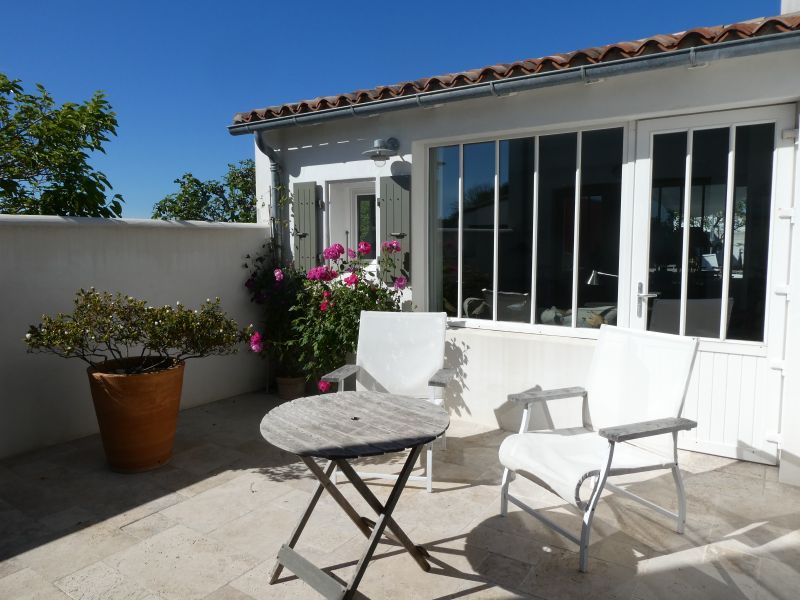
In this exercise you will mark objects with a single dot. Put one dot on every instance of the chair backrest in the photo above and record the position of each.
(637, 376)
(399, 351)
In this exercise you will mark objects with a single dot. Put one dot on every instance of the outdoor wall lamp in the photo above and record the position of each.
(381, 150)
(595, 280)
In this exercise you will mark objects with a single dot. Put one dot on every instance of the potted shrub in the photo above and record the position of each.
(325, 324)
(136, 355)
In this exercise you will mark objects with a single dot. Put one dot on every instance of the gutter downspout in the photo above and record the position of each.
(687, 57)
(275, 186)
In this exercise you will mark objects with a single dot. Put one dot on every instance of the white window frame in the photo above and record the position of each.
(626, 184)
(352, 188)
(781, 115)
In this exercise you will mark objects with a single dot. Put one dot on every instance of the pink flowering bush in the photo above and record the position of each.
(276, 288)
(326, 324)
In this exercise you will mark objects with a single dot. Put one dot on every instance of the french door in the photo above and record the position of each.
(710, 260)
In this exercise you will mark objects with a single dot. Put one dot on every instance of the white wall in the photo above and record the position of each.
(45, 260)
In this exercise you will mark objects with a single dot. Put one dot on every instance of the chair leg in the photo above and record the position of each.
(333, 476)
(586, 529)
(429, 468)
(676, 475)
(507, 476)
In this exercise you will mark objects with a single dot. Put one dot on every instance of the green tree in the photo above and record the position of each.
(44, 154)
(232, 200)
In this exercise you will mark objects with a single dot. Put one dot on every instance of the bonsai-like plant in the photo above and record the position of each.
(326, 322)
(120, 334)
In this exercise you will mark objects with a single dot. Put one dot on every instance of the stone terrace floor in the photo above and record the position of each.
(209, 524)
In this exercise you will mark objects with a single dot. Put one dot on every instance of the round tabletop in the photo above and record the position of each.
(353, 424)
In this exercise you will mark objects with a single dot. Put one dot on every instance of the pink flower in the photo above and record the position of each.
(351, 279)
(323, 386)
(322, 274)
(351, 253)
(333, 252)
(323, 306)
(256, 343)
(326, 294)
(278, 275)
(400, 283)
(391, 246)
(364, 247)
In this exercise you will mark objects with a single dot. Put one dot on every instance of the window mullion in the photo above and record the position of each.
(496, 239)
(576, 231)
(726, 261)
(460, 226)
(535, 233)
(687, 207)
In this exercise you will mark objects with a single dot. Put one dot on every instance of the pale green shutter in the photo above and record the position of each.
(395, 203)
(304, 209)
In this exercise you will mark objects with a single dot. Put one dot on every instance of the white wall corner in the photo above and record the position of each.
(790, 6)
(790, 433)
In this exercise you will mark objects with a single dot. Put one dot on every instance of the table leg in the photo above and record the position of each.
(278, 567)
(417, 552)
(324, 480)
(382, 522)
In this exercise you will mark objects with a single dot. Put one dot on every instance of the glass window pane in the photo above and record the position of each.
(666, 230)
(707, 231)
(515, 236)
(443, 256)
(477, 267)
(601, 194)
(751, 214)
(365, 214)
(555, 230)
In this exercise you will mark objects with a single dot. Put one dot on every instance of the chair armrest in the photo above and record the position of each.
(539, 395)
(342, 372)
(441, 378)
(623, 433)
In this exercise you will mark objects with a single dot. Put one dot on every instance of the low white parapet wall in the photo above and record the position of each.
(45, 260)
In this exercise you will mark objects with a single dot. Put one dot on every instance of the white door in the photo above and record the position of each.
(710, 260)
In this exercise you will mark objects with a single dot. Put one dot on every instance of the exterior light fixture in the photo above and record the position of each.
(595, 280)
(381, 150)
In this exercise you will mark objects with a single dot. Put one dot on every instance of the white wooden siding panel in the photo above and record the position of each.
(734, 400)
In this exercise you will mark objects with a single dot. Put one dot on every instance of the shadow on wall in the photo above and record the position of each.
(455, 357)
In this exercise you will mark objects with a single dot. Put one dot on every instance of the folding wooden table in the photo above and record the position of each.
(341, 427)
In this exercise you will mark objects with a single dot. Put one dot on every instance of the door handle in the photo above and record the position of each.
(642, 297)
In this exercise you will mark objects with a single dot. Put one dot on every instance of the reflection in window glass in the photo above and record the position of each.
(555, 231)
(515, 230)
(601, 196)
(443, 256)
(666, 230)
(707, 231)
(477, 267)
(750, 231)
(365, 215)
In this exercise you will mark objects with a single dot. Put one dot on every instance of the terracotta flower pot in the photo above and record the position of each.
(137, 414)
(290, 388)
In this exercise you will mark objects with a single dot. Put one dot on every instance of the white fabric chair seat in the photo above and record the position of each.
(563, 458)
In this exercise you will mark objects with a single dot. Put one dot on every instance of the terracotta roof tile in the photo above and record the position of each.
(657, 44)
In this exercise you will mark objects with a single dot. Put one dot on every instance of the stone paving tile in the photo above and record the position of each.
(69, 553)
(148, 526)
(181, 564)
(100, 582)
(27, 584)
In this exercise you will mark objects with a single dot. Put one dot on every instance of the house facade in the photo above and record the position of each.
(649, 184)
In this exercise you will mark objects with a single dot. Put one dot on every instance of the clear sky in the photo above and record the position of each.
(176, 71)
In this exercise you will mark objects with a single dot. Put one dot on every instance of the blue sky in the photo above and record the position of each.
(175, 71)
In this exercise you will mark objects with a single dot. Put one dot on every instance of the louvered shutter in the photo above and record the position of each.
(304, 209)
(395, 203)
